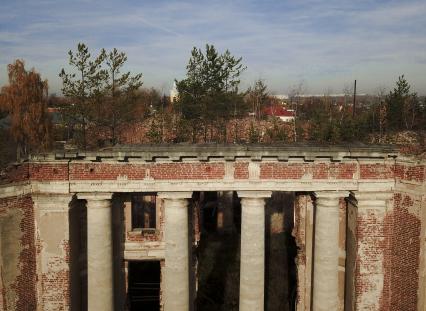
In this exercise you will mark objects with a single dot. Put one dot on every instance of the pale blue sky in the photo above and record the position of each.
(326, 44)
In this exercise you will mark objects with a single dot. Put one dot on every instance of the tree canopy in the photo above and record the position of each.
(99, 92)
(208, 96)
(25, 101)
(403, 107)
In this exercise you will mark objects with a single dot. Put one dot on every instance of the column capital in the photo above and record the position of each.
(175, 195)
(253, 194)
(331, 194)
(373, 195)
(52, 202)
(370, 199)
(96, 199)
(94, 196)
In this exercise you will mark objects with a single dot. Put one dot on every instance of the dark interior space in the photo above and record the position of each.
(118, 239)
(78, 255)
(144, 286)
(280, 253)
(209, 206)
(143, 211)
(219, 255)
(218, 258)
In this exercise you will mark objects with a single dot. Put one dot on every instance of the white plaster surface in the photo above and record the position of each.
(52, 223)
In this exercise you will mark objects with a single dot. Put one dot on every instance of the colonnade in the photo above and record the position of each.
(176, 281)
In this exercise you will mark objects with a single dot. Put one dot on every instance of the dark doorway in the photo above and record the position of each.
(144, 286)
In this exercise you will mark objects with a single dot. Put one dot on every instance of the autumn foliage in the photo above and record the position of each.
(25, 101)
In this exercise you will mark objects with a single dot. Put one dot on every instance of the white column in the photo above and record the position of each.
(252, 270)
(52, 223)
(326, 250)
(176, 270)
(100, 292)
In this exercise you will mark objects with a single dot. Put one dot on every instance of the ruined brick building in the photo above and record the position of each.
(74, 226)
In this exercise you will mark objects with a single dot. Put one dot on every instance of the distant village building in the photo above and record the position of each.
(173, 93)
(285, 115)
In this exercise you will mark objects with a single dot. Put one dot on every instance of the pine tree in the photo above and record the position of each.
(209, 94)
(402, 106)
(83, 87)
(119, 91)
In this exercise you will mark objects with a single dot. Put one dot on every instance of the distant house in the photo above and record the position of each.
(173, 93)
(55, 115)
(279, 112)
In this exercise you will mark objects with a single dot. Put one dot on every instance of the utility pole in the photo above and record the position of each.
(353, 107)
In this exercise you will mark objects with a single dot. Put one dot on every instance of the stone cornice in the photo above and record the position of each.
(183, 152)
(15, 189)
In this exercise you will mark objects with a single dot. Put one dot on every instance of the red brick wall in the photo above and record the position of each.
(48, 171)
(203, 171)
(316, 170)
(370, 236)
(241, 170)
(402, 256)
(376, 171)
(15, 173)
(56, 280)
(25, 284)
(410, 172)
(156, 236)
(157, 171)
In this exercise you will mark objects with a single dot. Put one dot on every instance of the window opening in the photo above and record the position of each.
(143, 211)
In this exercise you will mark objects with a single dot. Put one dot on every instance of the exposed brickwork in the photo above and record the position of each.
(48, 171)
(376, 171)
(241, 170)
(56, 280)
(312, 170)
(134, 236)
(370, 257)
(156, 171)
(105, 171)
(15, 173)
(24, 287)
(155, 236)
(188, 171)
(386, 243)
(302, 232)
(410, 172)
(299, 229)
(402, 257)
